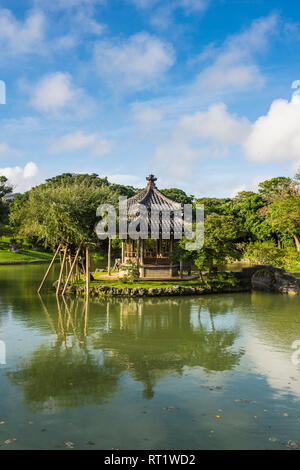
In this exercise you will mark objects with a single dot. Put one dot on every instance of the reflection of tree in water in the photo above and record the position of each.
(150, 338)
(156, 339)
(66, 374)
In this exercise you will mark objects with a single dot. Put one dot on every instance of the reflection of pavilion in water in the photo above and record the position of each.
(150, 339)
(157, 337)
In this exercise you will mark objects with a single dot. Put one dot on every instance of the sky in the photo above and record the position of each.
(201, 93)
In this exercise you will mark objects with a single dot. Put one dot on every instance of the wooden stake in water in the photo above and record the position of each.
(48, 270)
(61, 271)
(71, 270)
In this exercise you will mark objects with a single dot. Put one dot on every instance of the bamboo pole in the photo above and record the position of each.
(61, 271)
(109, 257)
(71, 269)
(48, 270)
(87, 271)
(77, 271)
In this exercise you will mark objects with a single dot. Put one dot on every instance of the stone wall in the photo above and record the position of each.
(262, 277)
(99, 291)
(272, 279)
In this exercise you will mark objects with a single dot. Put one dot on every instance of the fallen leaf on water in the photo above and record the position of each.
(91, 443)
(217, 416)
(10, 441)
(243, 400)
(213, 388)
(285, 414)
(293, 445)
(116, 448)
(2, 422)
(171, 408)
(69, 444)
(272, 439)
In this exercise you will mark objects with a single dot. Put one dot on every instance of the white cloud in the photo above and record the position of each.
(188, 5)
(67, 4)
(176, 158)
(7, 151)
(21, 36)
(275, 137)
(78, 141)
(22, 179)
(238, 190)
(146, 114)
(216, 125)
(136, 63)
(204, 134)
(193, 5)
(127, 180)
(56, 92)
(232, 65)
(143, 4)
(53, 92)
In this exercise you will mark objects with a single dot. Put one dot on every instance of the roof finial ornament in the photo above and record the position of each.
(151, 179)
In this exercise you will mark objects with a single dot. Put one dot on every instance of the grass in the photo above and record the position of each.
(101, 279)
(24, 256)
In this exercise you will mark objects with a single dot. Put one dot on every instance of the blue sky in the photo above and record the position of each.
(198, 92)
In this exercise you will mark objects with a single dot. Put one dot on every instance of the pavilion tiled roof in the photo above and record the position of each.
(151, 197)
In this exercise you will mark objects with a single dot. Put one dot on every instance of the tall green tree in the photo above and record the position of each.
(220, 244)
(5, 189)
(178, 195)
(62, 213)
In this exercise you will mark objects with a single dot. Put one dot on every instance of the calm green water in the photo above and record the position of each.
(147, 374)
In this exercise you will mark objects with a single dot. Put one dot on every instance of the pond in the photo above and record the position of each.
(206, 372)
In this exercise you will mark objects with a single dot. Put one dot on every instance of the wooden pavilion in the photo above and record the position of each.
(152, 250)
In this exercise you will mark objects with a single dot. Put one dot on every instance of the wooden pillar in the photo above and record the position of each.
(138, 250)
(171, 250)
(123, 245)
(142, 258)
(142, 250)
(181, 267)
(109, 257)
(87, 271)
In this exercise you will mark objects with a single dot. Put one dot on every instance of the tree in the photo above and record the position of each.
(245, 207)
(282, 211)
(5, 189)
(283, 215)
(61, 213)
(273, 186)
(220, 244)
(213, 205)
(178, 195)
